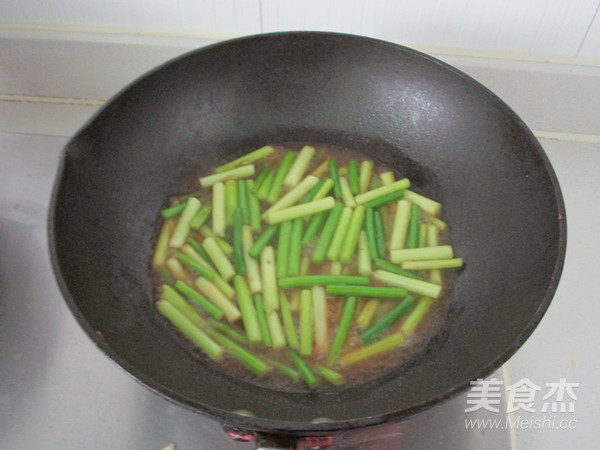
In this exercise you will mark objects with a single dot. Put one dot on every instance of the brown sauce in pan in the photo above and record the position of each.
(353, 374)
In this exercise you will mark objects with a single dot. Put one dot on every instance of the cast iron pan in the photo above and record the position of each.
(453, 138)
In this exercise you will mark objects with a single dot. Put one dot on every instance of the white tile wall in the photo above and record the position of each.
(537, 26)
(239, 16)
(591, 44)
(555, 27)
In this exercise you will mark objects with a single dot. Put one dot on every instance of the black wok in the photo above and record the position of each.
(453, 138)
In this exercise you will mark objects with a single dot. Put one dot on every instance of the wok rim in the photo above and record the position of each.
(302, 428)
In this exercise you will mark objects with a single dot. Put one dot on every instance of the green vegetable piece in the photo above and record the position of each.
(370, 230)
(309, 377)
(250, 360)
(376, 348)
(219, 215)
(384, 199)
(222, 243)
(387, 178)
(415, 317)
(366, 168)
(330, 375)
(300, 165)
(386, 265)
(238, 246)
(329, 228)
(294, 195)
(162, 245)
(282, 171)
(295, 244)
(194, 265)
(423, 230)
(263, 241)
(320, 327)
(283, 248)
(433, 235)
(319, 280)
(418, 254)
(275, 330)
(219, 258)
(333, 172)
(217, 280)
(288, 321)
(262, 319)
(313, 227)
(196, 246)
(301, 210)
(366, 314)
(347, 196)
(201, 217)
(262, 176)
(379, 234)
(323, 190)
(254, 206)
(269, 281)
(182, 229)
(231, 200)
(412, 285)
(255, 155)
(217, 297)
(366, 291)
(263, 192)
(351, 240)
(172, 296)
(413, 227)
(429, 206)
(252, 267)
(199, 299)
(292, 374)
(228, 331)
(306, 319)
(433, 264)
(353, 176)
(383, 190)
(191, 331)
(243, 201)
(172, 211)
(335, 247)
(233, 174)
(400, 227)
(224, 287)
(312, 192)
(166, 275)
(249, 317)
(440, 224)
(389, 319)
(342, 330)
(365, 266)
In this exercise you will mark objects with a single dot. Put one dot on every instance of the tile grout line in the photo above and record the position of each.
(570, 137)
(587, 30)
(66, 31)
(19, 98)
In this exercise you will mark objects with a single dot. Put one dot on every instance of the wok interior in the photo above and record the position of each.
(455, 140)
